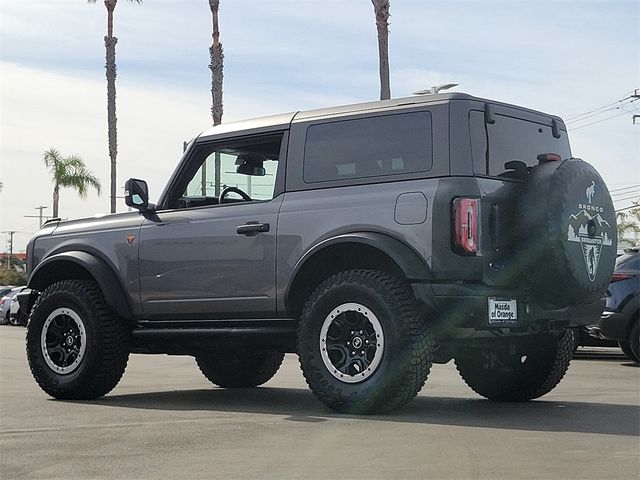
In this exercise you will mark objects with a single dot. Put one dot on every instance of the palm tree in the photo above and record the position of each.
(627, 222)
(216, 66)
(68, 172)
(110, 45)
(381, 10)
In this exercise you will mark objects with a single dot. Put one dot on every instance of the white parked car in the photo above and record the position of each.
(5, 305)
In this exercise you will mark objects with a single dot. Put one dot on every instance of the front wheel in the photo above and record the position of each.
(77, 347)
(521, 371)
(362, 343)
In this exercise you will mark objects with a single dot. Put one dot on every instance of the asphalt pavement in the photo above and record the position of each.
(165, 420)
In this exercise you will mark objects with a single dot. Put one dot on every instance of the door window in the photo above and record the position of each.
(228, 173)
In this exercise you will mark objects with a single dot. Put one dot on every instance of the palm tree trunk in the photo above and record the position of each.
(216, 67)
(217, 56)
(110, 45)
(381, 9)
(56, 199)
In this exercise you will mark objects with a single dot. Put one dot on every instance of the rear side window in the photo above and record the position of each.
(511, 139)
(368, 147)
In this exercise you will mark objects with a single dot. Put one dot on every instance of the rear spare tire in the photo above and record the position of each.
(566, 233)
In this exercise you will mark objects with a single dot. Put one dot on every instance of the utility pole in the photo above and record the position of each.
(40, 216)
(10, 243)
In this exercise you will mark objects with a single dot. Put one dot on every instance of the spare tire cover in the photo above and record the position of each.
(566, 233)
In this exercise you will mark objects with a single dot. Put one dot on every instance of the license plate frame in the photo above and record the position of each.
(502, 311)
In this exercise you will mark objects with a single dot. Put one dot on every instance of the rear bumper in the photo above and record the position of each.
(462, 310)
(612, 326)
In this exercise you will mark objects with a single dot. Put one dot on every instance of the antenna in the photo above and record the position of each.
(436, 89)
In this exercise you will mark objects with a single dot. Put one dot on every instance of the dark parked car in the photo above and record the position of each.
(620, 319)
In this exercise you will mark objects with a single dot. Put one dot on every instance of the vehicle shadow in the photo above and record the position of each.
(301, 405)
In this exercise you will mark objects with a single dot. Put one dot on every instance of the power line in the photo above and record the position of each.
(600, 112)
(599, 121)
(618, 107)
(572, 117)
(627, 208)
(630, 192)
(636, 185)
(626, 104)
(634, 197)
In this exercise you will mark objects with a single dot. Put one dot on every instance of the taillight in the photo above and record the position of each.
(465, 225)
(2, 300)
(548, 157)
(616, 277)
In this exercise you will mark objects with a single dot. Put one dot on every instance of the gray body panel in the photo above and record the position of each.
(105, 238)
(193, 263)
(309, 218)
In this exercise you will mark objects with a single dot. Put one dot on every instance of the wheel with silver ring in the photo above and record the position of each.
(77, 347)
(63, 340)
(351, 342)
(363, 345)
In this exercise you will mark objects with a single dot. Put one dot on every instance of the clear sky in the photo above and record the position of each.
(565, 57)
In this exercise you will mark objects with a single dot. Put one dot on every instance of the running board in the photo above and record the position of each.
(266, 334)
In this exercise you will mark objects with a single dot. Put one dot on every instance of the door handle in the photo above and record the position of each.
(252, 228)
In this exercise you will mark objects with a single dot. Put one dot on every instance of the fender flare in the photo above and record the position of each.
(410, 263)
(103, 274)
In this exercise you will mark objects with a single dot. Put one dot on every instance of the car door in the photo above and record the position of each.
(202, 259)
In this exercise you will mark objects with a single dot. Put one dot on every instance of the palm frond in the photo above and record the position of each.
(70, 172)
(80, 180)
(51, 157)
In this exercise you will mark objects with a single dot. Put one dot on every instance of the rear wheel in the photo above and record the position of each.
(362, 343)
(634, 341)
(15, 321)
(240, 369)
(516, 372)
(626, 349)
(77, 347)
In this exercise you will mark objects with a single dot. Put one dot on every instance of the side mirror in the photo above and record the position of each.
(136, 194)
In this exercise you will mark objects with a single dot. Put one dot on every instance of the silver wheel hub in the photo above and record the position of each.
(63, 341)
(351, 342)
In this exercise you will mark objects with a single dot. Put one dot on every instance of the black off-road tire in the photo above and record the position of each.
(407, 345)
(13, 321)
(240, 369)
(107, 342)
(634, 341)
(626, 349)
(503, 376)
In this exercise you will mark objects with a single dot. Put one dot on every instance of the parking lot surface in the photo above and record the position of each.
(165, 420)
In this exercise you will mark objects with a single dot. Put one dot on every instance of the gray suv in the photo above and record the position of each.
(372, 240)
